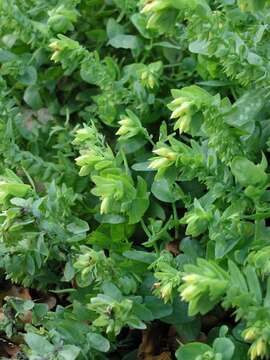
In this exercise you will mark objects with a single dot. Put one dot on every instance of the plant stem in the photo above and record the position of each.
(175, 217)
(125, 161)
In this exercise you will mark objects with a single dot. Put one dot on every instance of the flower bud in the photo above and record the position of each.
(155, 5)
(166, 292)
(126, 122)
(104, 207)
(158, 163)
(258, 348)
(250, 333)
(144, 75)
(192, 278)
(55, 56)
(189, 292)
(151, 81)
(166, 152)
(54, 45)
(150, 6)
(83, 160)
(178, 101)
(183, 124)
(181, 110)
(123, 130)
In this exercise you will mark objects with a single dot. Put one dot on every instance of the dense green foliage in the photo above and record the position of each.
(135, 140)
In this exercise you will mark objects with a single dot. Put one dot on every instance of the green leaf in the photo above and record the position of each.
(29, 77)
(122, 41)
(39, 344)
(140, 22)
(192, 351)
(32, 97)
(237, 278)
(98, 342)
(114, 28)
(141, 256)
(69, 352)
(140, 204)
(225, 347)
(165, 191)
(199, 47)
(157, 307)
(247, 173)
(69, 272)
(253, 283)
(78, 226)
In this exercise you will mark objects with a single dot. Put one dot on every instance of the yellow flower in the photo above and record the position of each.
(123, 130)
(192, 278)
(158, 163)
(104, 207)
(183, 124)
(54, 56)
(250, 333)
(181, 110)
(166, 292)
(178, 101)
(166, 153)
(189, 293)
(258, 349)
(126, 122)
(54, 45)
(150, 5)
(155, 5)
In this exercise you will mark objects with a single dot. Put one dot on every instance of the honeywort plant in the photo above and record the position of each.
(134, 177)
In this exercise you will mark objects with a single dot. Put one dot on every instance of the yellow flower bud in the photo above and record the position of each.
(144, 75)
(149, 7)
(166, 152)
(158, 163)
(178, 101)
(166, 292)
(181, 110)
(259, 348)
(83, 160)
(123, 130)
(183, 124)
(155, 5)
(125, 122)
(250, 334)
(54, 45)
(151, 81)
(55, 56)
(104, 207)
(189, 293)
(192, 278)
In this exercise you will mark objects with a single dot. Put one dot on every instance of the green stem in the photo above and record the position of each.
(148, 137)
(125, 161)
(171, 65)
(29, 178)
(150, 140)
(175, 216)
(149, 235)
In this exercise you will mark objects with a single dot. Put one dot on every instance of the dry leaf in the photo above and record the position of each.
(151, 344)
(8, 348)
(173, 247)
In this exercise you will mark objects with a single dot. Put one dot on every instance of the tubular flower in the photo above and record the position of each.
(181, 110)
(130, 126)
(166, 157)
(155, 5)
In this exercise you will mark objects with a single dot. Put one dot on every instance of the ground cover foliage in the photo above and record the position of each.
(134, 189)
